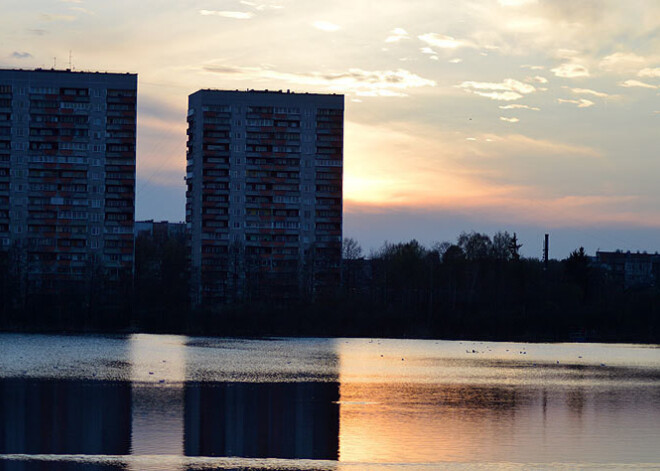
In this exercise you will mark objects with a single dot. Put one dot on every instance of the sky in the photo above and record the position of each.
(530, 116)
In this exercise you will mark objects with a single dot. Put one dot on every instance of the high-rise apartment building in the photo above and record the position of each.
(67, 173)
(264, 194)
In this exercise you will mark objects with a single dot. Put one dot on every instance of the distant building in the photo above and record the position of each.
(264, 194)
(630, 269)
(67, 173)
(160, 231)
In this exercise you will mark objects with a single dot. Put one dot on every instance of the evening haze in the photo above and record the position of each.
(530, 116)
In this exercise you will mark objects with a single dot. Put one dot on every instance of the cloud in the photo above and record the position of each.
(326, 26)
(571, 70)
(518, 107)
(636, 83)
(396, 35)
(427, 50)
(236, 15)
(49, 17)
(384, 83)
(82, 10)
(537, 79)
(509, 120)
(648, 72)
(586, 91)
(532, 67)
(21, 55)
(443, 42)
(456, 60)
(507, 90)
(262, 6)
(622, 62)
(526, 24)
(581, 103)
(515, 3)
(37, 32)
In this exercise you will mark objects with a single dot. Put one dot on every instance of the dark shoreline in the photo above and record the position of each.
(243, 334)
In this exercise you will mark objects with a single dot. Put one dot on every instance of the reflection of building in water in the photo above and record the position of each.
(259, 420)
(64, 416)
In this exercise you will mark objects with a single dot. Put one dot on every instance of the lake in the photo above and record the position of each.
(158, 402)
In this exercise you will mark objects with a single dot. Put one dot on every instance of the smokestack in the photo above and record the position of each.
(546, 249)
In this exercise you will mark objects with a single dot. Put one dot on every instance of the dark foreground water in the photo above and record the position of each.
(150, 402)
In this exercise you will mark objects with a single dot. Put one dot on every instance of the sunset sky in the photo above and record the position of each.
(531, 116)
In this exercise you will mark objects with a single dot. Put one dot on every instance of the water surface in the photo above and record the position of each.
(186, 403)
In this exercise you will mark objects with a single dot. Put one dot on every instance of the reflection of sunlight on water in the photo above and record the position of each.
(432, 402)
(160, 462)
(156, 358)
(158, 375)
(386, 404)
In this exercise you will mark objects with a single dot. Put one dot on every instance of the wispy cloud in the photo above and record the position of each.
(649, 72)
(519, 107)
(581, 103)
(571, 70)
(537, 79)
(532, 67)
(55, 17)
(392, 83)
(637, 84)
(587, 91)
(82, 10)
(455, 60)
(262, 6)
(443, 42)
(507, 90)
(622, 62)
(396, 35)
(509, 120)
(515, 3)
(326, 26)
(20, 55)
(236, 15)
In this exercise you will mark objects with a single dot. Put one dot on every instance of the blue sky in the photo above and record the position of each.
(528, 115)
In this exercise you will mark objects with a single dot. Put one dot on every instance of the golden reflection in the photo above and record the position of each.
(157, 380)
(433, 403)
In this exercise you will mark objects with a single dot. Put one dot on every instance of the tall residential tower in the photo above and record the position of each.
(67, 173)
(264, 194)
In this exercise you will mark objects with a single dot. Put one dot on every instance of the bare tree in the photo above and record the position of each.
(350, 249)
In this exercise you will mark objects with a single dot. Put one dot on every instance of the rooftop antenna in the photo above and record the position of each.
(70, 67)
(54, 62)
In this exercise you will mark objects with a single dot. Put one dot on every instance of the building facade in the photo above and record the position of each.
(67, 174)
(264, 194)
(629, 269)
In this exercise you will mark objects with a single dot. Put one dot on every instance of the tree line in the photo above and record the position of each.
(481, 288)
(477, 287)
